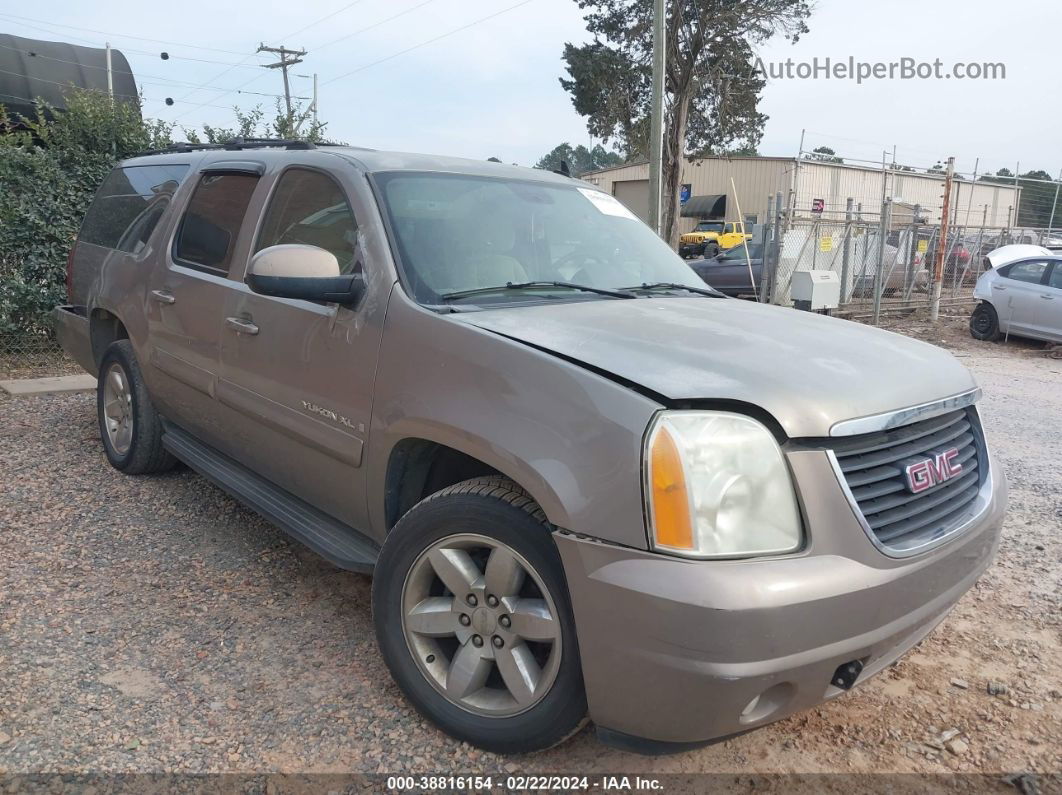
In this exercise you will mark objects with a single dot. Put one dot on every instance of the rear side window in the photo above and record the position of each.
(1056, 277)
(212, 221)
(129, 205)
(1032, 272)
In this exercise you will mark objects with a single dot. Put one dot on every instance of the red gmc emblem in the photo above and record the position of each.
(929, 472)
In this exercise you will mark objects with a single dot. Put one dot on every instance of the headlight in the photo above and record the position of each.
(718, 486)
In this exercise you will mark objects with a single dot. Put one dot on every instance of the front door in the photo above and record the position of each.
(187, 294)
(298, 375)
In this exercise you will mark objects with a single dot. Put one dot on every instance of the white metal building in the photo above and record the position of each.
(748, 181)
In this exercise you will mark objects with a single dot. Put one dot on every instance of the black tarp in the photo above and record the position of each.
(31, 69)
(705, 207)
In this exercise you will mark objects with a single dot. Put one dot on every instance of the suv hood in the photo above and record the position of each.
(807, 370)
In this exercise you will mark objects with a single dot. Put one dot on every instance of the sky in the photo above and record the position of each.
(479, 78)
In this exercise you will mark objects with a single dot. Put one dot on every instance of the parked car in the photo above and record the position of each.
(729, 272)
(1022, 297)
(708, 238)
(613, 493)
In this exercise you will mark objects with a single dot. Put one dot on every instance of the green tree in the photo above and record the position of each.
(711, 90)
(1037, 197)
(253, 124)
(580, 160)
(823, 154)
(50, 167)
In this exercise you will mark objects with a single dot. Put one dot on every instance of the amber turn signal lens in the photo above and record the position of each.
(670, 500)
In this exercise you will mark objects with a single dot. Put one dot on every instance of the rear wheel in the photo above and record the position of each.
(711, 251)
(130, 427)
(984, 323)
(473, 618)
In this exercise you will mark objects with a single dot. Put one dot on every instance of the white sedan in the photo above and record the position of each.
(1020, 295)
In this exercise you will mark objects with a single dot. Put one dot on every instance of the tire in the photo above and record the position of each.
(711, 251)
(984, 323)
(475, 702)
(130, 428)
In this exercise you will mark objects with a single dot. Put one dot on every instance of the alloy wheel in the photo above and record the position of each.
(118, 409)
(481, 625)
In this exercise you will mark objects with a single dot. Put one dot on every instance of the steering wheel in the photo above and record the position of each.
(582, 256)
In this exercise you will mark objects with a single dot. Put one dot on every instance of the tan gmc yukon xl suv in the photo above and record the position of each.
(587, 485)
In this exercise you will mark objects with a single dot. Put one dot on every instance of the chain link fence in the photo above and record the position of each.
(33, 354)
(884, 262)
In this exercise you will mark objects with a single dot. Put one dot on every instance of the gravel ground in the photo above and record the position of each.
(153, 624)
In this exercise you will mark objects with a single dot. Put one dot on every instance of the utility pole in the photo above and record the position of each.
(110, 73)
(656, 124)
(288, 58)
(942, 243)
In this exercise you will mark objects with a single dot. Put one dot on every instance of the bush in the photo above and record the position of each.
(50, 167)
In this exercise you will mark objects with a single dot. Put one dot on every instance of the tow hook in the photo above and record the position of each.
(846, 674)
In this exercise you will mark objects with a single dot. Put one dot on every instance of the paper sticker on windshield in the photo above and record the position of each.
(609, 205)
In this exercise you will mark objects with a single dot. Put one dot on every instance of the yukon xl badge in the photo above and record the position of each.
(925, 473)
(328, 413)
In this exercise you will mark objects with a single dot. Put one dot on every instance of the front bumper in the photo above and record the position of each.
(691, 249)
(677, 651)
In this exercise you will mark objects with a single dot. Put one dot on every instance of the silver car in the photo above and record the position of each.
(1022, 297)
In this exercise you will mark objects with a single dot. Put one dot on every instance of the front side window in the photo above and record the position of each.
(1032, 272)
(128, 206)
(309, 208)
(212, 221)
(456, 233)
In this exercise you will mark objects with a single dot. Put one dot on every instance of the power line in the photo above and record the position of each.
(256, 77)
(124, 49)
(429, 41)
(68, 85)
(112, 34)
(372, 26)
(140, 76)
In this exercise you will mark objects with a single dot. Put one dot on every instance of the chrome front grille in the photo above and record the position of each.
(874, 466)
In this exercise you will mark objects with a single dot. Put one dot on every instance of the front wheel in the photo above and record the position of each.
(984, 323)
(473, 618)
(711, 251)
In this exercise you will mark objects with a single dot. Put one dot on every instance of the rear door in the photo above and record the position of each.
(297, 376)
(1018, 290)
(1049, 316)
(187, 293)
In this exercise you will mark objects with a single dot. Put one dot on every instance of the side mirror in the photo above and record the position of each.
(304, 272)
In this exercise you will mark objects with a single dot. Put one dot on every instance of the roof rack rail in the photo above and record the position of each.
(236, 144)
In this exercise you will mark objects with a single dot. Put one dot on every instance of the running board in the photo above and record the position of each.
(339, 543)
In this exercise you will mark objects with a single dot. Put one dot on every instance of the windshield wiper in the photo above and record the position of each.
(529, 285)
(709, 291)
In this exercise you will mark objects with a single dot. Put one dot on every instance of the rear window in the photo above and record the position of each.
(129, 205)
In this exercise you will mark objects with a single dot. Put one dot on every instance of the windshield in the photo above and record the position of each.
(738, 252)
(705, 226)
(457, 233)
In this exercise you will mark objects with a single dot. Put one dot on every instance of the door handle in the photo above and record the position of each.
(241, 325)
(999, 287)
(1048, 297)
(162, 297)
